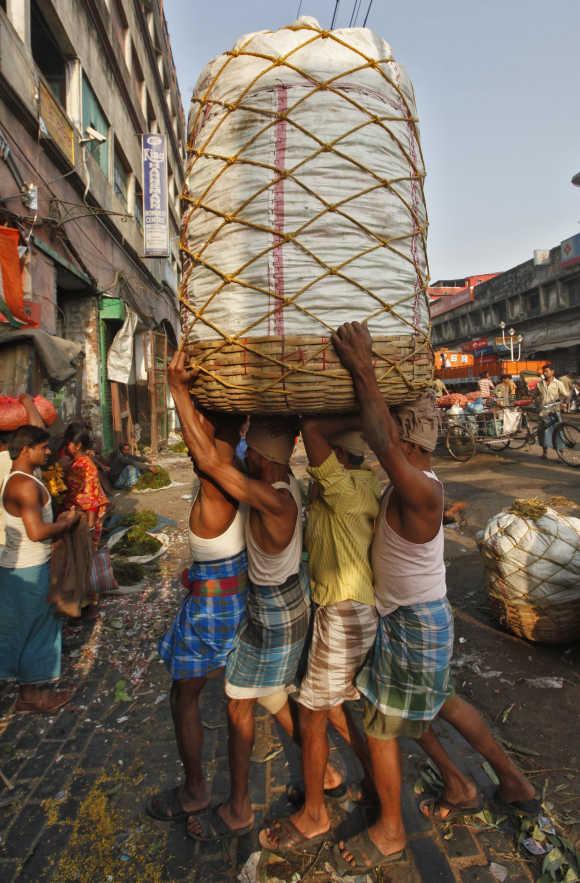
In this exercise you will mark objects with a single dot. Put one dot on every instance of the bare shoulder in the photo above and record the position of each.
(23, 488)
(20, 482)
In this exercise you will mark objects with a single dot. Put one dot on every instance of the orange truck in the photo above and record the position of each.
(459, 374)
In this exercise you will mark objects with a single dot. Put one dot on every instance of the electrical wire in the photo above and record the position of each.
(354, 13)
(364, 24)
(336, 5)
(96, 250)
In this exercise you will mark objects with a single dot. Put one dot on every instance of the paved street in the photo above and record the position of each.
(81, 778)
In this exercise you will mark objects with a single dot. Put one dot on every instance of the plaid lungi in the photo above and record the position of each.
(202, 634)
(270, 640)
(407, 673)
(343, 634)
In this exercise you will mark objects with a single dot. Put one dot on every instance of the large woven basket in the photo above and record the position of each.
(303, 209)
(302, 375)
(546, 624)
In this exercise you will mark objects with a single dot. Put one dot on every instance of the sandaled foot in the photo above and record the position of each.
(210, 825)
(530, 807)
(44, 703)
(441, 810)
(360, 855)
(167, 806)
(283, 838)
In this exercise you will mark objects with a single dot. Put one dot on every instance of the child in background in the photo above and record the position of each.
(84, 490)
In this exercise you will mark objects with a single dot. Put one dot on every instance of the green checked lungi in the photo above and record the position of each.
(268, 646)
(406, 679)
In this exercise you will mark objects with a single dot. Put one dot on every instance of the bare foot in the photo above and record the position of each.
(42, 701)
(515, 789)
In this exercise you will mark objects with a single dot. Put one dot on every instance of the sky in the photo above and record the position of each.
(498, 98)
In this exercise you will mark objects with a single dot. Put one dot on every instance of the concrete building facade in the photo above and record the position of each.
(80, 81)
(539, 299)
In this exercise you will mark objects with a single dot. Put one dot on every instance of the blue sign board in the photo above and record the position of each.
(155, 208)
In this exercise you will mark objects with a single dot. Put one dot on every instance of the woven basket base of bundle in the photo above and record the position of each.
(301, 375)
(548, 624)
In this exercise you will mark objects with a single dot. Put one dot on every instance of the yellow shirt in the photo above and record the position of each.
(339, 533)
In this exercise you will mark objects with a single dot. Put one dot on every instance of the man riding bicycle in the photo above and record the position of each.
(550, 394)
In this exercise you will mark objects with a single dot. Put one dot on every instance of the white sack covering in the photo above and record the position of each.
(536, 561)
(241, 210)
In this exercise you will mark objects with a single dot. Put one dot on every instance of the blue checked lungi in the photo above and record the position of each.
(202, 634)
(407, 673)
(30, 630)
(268, 647)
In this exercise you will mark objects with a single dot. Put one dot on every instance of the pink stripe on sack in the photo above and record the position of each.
(279, 217)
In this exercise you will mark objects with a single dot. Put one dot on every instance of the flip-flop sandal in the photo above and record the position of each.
(213, 827)
(296, 795)
(291, 841)
(456, 810)
(530, 808)
(366, 855)
(167, 806)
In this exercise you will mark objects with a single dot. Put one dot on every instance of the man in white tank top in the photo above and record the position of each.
(201, 637)
(270, 639)
(406, 680)
(30, 630)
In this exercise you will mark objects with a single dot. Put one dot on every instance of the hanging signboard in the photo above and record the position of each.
(155, 208)
(570, 251)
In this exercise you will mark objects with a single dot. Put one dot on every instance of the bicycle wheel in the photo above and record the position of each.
(527, 434)
(460, 443)
(567, 443)
(520, 438)
(497, 444)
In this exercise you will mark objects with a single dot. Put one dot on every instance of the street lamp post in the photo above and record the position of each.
(513, 340)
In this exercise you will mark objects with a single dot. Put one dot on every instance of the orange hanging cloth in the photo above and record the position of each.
(13, 294)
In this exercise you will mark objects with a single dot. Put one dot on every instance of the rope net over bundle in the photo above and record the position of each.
(303, 209)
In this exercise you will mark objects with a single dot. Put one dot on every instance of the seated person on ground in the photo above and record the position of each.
(126, 467)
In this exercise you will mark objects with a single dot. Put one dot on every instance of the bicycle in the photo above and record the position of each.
(463, 432)
(527, 432)
(565, 437)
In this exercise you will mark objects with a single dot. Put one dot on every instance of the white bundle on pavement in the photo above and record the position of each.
(535, 560)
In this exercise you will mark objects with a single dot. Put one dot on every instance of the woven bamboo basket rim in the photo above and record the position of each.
(555, 623)
(302, 373)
